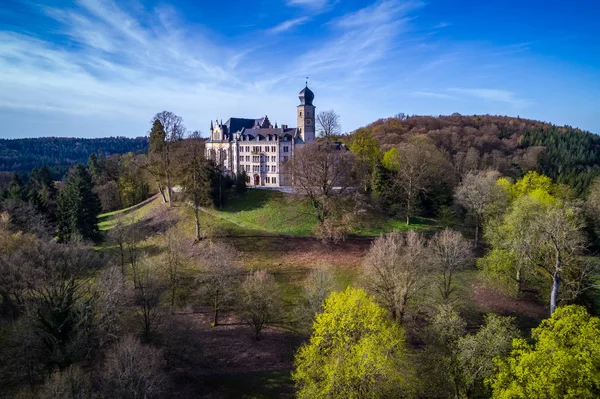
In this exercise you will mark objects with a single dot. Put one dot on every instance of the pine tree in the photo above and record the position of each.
(78, 207)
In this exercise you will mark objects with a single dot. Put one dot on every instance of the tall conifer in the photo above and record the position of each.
(78, 207)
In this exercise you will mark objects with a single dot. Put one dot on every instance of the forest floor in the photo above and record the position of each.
(227, 362)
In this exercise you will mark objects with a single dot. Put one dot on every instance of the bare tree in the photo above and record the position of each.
(449, 252)
(133, 371)
(71, 383)
(322, 172)
(328, 124)
(164, 144)
(109, 291)
(318, 285)
(195, 177)
(147, 297)
(479, 193)
(396, 269)
(118, 237)
(220, 277)
(259, 302)
(417, 165)
(174, 262)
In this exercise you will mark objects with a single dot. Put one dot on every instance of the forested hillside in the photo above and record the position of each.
(510, 145)
(59, 154)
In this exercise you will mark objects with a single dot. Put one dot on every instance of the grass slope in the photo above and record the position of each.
(279, 213)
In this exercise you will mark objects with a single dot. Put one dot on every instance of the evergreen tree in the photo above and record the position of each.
(78, 207)
(16, 190)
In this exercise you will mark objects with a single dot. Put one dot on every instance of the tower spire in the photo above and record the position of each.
(307, 81)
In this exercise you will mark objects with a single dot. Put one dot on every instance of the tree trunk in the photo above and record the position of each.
(216, 309)
(162, 193)
(554, 294)
(196, 216)
(477, 233)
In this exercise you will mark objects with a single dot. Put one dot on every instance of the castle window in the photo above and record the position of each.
(273, 149)
(247, 148)
(247, 178)
(267, 149)
(273, 159)
(241, 158)
(274, 180)
(300, 113)
(268, 179)
(247, 158)
(285, 148)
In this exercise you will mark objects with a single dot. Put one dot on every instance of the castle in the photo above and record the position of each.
(259, 148)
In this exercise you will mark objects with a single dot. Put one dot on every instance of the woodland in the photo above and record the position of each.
(419, 257)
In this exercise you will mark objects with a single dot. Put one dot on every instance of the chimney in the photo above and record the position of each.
(284, 127)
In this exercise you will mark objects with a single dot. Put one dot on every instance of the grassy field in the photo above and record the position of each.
(279, 213)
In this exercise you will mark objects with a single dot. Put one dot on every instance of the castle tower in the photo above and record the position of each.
(306, 115)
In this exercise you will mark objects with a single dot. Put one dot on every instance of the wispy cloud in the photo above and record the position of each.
(289, 24)
(442, 96)
(504, 96)
(311, 4)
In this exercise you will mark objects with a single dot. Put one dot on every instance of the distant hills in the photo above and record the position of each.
(511, 145)
(59, 154)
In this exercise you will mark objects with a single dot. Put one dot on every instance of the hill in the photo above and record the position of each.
(225, 360)
(59, 154)
(512, 145)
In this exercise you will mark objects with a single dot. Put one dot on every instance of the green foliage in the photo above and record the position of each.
(22, 155)
(365, 146)
(78, 207)
(354, 351)
(477, 352)
(391, 159)
(562, 362)
(571, 157)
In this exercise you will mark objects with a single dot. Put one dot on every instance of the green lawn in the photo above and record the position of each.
(279, 213)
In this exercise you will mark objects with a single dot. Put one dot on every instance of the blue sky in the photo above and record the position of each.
(92, 68)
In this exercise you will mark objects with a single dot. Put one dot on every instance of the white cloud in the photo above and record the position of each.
(311, 4)
(504, 96)
(289, 24)
(442, 96)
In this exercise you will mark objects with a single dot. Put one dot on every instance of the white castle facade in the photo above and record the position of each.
(259, 148)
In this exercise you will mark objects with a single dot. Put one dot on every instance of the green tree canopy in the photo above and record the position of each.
(563, 361)
(355, 351)
(78, 207)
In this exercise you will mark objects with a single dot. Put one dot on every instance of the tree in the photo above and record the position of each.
(449, 252)
(71, 383)
(318, 285)
(220, 277)
(366, 149)
(147, 297)
(478, 194)
(396, 270)
(443, 367)
(259, 302)
(174, 263)
(328, 124)
(322, 172)
(539, 235)
(416, 164)
(78, 207)
(476, 352)
(195, 176)
(133, 370)
(355, 351)
(562, 362)
(167, 131)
